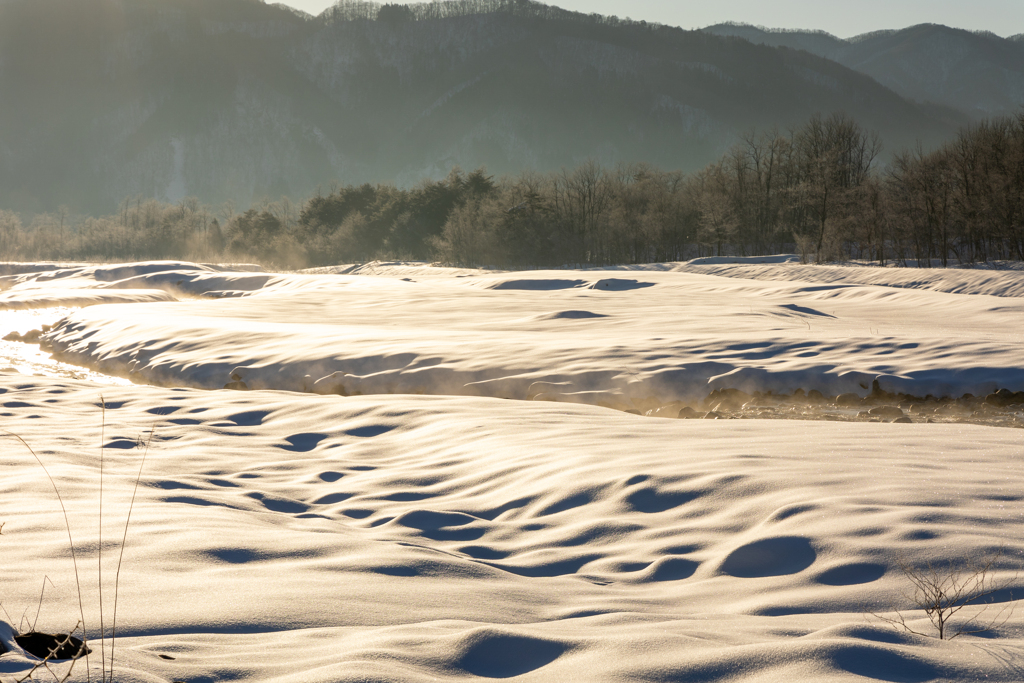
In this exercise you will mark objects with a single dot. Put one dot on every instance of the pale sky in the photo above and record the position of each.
(844, 19)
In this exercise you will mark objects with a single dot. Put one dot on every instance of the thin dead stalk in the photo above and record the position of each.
(107, 674)
(120, 558)
(99, 547)
(71, 542)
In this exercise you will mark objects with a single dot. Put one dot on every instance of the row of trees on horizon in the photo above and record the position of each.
(366, 10)
(820, 190)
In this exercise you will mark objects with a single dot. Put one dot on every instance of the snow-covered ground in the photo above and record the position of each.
(286, 536)
(586, 336)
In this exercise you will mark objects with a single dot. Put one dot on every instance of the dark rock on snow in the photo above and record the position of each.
(848, 400)
(1004, 397)
(52, 645)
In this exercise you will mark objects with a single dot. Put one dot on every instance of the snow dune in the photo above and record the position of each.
(595, 337)
(280, 537)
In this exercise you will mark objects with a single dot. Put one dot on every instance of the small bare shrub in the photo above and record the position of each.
(942, 590)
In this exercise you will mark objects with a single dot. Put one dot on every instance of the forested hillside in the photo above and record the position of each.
(820, 190)
(236, 100)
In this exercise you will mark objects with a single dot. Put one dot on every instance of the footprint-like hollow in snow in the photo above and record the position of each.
(396, 570)
(236, 555)
(332, 498)
(651, 500)
(538, 285)
(569, 315)
(441, 526)
(250, 418)
(163, 410)
(430, 520)
(111, 405)
(303, 443)
(407, 497)
(491, 653)
(852, 574)
(122, 443)
(671, 569)
(770, 557)
(195, 500)
(482, 552)
(615, 284)
(275, 504)
(369, 431)
(805, 310)
(18, 404)
(881, 664)
(171, 485)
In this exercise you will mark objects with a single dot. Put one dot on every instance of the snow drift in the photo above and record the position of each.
(600, 338)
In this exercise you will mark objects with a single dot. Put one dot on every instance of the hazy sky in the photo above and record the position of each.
(844, 19)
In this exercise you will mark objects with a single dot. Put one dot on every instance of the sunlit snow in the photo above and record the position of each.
(330, 525)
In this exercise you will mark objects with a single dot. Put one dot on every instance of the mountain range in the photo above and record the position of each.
(234, 100)
(977, 73)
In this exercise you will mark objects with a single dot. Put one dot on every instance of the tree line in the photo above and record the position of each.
(363, 10)
(820, 190)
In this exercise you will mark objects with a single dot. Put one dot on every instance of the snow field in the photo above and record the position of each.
(279, 537)
(629, 343)
(329, 524)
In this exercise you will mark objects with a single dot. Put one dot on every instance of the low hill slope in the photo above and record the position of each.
(979, 74)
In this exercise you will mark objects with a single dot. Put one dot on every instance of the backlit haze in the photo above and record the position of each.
(1002, 17)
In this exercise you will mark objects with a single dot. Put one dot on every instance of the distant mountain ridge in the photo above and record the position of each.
(234, 100)
(977, 73)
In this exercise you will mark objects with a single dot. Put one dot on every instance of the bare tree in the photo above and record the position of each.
(766, 154)
(63, 212)
(836, 158)
(10, 231)
(718, 216)
(581, 200)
